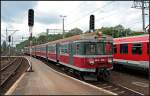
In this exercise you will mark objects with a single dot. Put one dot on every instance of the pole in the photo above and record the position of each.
(12, 46)
(63, 27)
(22, 38)
(143, 17)
(47, 34)
(9, 49)
(6, 36)
(30, 30)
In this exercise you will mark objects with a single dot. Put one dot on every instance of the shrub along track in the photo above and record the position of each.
(11, 71)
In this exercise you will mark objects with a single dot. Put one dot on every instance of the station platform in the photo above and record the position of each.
(46, 81)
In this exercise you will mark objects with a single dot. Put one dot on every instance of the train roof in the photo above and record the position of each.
(132, 39)
(81, 37)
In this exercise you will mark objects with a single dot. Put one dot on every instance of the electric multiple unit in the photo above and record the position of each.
(132, 52)
(84, 53)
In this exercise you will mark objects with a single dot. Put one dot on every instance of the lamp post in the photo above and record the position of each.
(62, 16)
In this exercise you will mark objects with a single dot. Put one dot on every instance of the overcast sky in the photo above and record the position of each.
(47, 15)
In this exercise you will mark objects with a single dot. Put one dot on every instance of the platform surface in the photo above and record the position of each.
(45, 81)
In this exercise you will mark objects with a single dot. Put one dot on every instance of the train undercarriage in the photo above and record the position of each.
(101, 74)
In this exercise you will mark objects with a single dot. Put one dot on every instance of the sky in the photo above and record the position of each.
(14, 16)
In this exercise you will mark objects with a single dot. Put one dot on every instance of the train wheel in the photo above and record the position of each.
(106, 75)
(81, 76)
(120, 67)
(99, 75)
(103, 75)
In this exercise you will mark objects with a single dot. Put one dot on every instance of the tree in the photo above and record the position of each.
(74, 31)
(116, 31)
(42, 39)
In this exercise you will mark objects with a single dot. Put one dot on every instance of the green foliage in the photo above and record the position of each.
(44, 39)
(118, 31)
(75, 31)
(136, 33)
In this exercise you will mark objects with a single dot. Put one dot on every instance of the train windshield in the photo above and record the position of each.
(97, 48)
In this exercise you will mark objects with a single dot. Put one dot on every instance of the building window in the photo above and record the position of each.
(115, 49)
(137, 48)
(123, 48)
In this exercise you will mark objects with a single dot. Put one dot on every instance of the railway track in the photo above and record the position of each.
(111, 86)
(9, 70)
(116, 88)
(5, 64)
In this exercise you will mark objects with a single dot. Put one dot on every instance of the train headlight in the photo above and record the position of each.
(109, 60)
(96, 60)
(102, 60)
(91, 61)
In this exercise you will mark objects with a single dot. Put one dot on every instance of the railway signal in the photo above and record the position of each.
(31, 17)
(92, 23)
(9, 38)
(30, 24)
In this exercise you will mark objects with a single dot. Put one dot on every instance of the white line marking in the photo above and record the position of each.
(101, 89)
(140, 84)
(28, 63)
(121, 92)
(13, 87)
(115, 89)
(104, 84)
(107, 87)
(130, 89)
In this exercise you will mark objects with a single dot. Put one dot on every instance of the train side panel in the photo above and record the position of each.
(133, 54)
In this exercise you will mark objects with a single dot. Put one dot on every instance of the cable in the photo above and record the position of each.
(76, 7)
(92, 12)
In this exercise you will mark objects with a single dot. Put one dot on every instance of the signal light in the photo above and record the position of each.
(30, 17)
(9, 38)
(92, 22)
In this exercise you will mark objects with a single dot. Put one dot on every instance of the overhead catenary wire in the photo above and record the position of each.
(87, 14)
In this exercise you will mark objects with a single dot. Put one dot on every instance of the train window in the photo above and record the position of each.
(115, 48)
(64, 49)
(52, 49)
(123, 48)
(90, 48)
(77, 49)
(148, 49)
(108, 48)
(100, 48)
(137, 48)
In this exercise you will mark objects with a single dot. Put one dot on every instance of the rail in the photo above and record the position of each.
(8, 71)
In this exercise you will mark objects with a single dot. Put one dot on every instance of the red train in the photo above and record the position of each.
(84, 54)
(132, 52)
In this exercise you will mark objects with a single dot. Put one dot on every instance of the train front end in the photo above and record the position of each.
(96, 56)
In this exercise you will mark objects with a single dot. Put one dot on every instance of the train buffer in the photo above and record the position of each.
(47, 81)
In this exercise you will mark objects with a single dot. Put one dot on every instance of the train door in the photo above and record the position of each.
(71, 53)
(34, 51)
(57, 52)
(46, 51)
